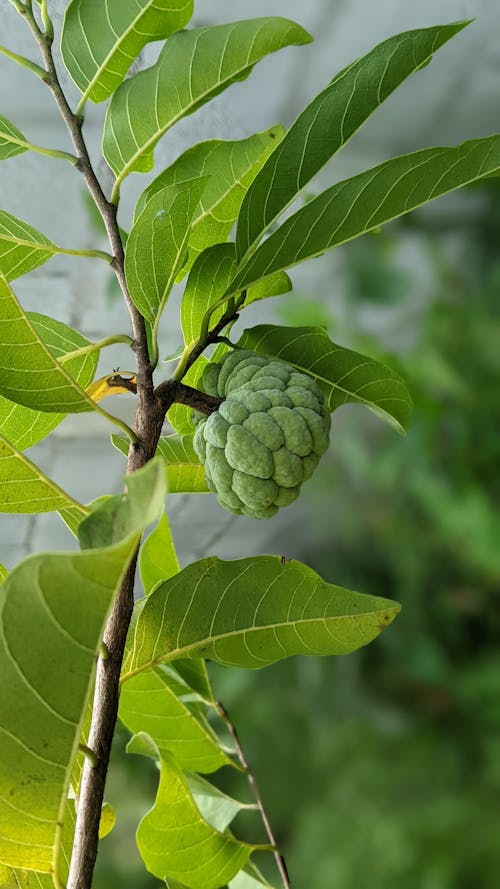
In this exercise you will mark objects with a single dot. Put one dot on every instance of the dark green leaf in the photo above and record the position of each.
(343, 375)
(193, 67)
(329, 122)
(365, 202)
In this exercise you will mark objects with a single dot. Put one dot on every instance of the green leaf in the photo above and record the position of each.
(231, 167)
(174, 827)
(23, 486)
(22, 247)
(367, 201)
(3, 573)
(158, 558)
(329, 122)
(15, 878)
(161, 703)
(217, 808)
(193, 67)
(208, 280)
(108, 820)
(343, 375)
(185, 473)
(25, 427)
(29, 373)
(274, 285)
(249, 878)
(156, 247)
(12, 141)
(120, 515)
(180, 416)
(101, 38)
(251, 613)
(53, 608)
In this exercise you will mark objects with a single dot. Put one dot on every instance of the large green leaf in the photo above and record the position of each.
(12, 141)
(158, 559)
(24, 488)
(252, 612)
(174, 839)
(156, 247)
(231, 167)
(161, 703)
(25, 427)
(343, 375)
(193, 67)
(367, 201)
(329, 122)
(16, 878)
(53, 608)
(22, 247)
(185, 473)
(101, 38)
(29, 373)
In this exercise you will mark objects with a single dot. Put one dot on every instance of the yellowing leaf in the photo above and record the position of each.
(113, 384)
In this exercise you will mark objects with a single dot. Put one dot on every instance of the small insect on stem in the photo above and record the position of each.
(284, 560)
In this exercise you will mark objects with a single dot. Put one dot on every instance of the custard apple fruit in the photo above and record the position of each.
(266, 437)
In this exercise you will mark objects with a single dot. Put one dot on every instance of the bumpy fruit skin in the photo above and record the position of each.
(267, 436)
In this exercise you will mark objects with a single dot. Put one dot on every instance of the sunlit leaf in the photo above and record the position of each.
(185, 473)
(367, 201)
(53, 609)
(22, 247)
(194, 66)
(343, 375)
(24, 488)
(328, 123)
(25, 427)
(208, 280)
(3, 573)
(217, 808)
(161, 703)
(16, 878)
(156, 247)
(158, 558)
(101, 38)
(252, 612)
(231, 167)
(29, 373)
(12, 141)
(168, 835)
(108, 820)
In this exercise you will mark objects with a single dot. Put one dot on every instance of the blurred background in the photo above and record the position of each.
(381, 769)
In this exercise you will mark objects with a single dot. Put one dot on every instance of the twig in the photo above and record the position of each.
(280, 861)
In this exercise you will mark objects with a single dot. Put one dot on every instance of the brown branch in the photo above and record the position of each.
(148, 424)
(280, 861)
(171, 392)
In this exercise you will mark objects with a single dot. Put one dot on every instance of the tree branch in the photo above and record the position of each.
(280, 861)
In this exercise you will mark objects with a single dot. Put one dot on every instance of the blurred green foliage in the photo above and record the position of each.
(382, 769)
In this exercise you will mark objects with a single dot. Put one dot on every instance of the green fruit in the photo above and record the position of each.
(267, 436)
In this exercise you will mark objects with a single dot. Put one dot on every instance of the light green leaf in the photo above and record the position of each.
(25, 427)
(121, 515)
(185, 473)
(12, 141)
(3, 573)
(251, 613)
(101, 38)
(161, 703)
(156, 247)
(249, 878)
(208, 280)
(23, 486)
(193, 67)
(22, 247)
(174, 827)
(29, 373)
(274, 285)
(343, 375)
(367, 201)
(15, 878)
(231, 167)
(108, 820)
(328, 123)
(217, 808)
(53, 608)
(158, 559)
